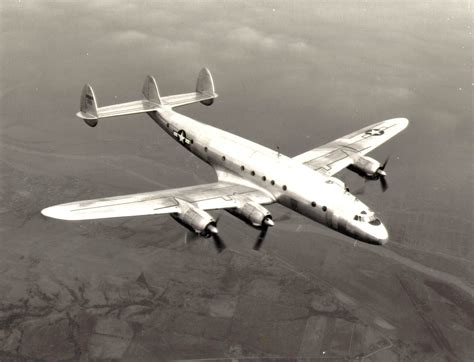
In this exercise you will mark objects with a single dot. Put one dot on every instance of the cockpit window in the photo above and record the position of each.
(375, 222)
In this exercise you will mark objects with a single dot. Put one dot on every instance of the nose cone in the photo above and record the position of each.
(372, 233)
(379, 234)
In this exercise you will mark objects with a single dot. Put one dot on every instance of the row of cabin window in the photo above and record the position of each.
(264, 178)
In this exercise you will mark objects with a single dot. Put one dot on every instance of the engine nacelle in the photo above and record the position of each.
(194, 219)
(366, 167)
(252, 213)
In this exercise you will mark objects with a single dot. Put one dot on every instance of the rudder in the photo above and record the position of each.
(88, 107)
(150, 90)
(205, 86)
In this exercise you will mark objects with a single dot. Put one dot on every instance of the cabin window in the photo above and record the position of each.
(168, 125)
(223, 158)
(325, 208)
(205, 149)
(272, 182)
(242, 168)
(313, 204)
(284, 187)
(252, 173)
(264, 178)
(192, 141)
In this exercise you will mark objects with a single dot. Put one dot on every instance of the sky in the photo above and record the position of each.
(289, 74)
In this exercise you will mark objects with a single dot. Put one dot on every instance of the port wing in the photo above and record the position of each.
(337, 155)
(217, 195)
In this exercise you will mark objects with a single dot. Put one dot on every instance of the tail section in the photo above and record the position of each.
(205, 92)
(90, 112)
(88, 106)
(205, 86)
(150, 90)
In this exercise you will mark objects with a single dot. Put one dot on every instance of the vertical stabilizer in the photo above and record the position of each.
(150, 90)
(205, 86)
(88, 106)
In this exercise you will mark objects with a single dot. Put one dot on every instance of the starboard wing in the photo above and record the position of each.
(217, 195)
(337, 155)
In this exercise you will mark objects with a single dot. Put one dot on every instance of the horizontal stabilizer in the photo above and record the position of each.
(205, 92)
(91, 113)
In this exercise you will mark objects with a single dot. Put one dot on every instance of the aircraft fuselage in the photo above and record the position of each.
(312, 194)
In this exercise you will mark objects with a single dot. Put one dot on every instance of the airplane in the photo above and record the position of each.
(249, 175)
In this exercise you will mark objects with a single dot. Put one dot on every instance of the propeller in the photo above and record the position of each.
(266, 223)
(210, 231)
(382, 174)
(219, 244)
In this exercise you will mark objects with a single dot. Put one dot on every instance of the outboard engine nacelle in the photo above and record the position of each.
(253, 214)
(195, 219)
(367, 167)
(370, 169)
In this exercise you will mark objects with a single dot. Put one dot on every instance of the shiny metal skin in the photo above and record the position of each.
(249, 175)
(253, 214)
(195, 219)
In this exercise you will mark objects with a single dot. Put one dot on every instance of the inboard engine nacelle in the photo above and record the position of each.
(253, 214)
(195, 219)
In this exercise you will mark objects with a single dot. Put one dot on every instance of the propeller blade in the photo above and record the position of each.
(266, 223)
(260, 238)
(385, 163)
(383, 183)
(219, 244)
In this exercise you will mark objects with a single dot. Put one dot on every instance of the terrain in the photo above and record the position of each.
(142, 288)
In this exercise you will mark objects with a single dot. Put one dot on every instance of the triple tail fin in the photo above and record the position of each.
(205, 86)
(90, 112)
(88, 106)
(150, 90)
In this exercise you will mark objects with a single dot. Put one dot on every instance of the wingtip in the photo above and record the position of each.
(51, 212)
(56, 212)
(48, 212)
(403, 122)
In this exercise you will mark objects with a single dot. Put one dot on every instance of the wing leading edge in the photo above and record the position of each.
(217, 195)
(338, 154)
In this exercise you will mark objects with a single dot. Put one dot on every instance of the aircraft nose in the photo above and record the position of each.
(380, 235)
(373, 233)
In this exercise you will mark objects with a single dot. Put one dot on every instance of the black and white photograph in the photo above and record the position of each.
(267, 180)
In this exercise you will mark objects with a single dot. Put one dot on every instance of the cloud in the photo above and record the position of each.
(128, 37)
(251, 37)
